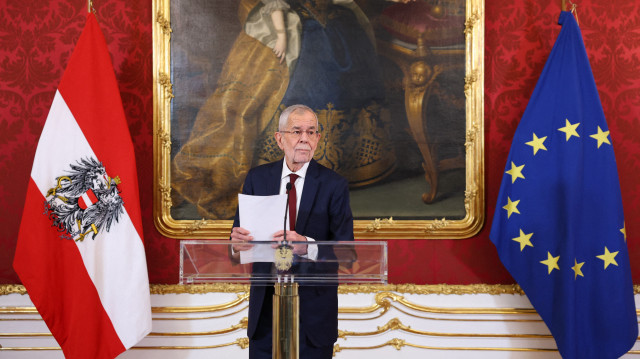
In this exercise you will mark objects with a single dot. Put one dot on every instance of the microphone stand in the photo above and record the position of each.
(286, 303)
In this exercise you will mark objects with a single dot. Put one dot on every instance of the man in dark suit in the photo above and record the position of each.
(323, 214)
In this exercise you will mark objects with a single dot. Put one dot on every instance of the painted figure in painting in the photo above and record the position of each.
(320, 53)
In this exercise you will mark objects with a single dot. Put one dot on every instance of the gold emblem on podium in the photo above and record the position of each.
(283, 257)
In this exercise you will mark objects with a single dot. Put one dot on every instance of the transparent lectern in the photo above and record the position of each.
(269, 263)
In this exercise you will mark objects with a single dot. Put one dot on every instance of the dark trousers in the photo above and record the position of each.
(260, 346)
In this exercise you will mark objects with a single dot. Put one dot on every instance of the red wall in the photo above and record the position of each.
(37, 37)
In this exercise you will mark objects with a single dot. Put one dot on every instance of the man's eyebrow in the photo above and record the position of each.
(298, 127)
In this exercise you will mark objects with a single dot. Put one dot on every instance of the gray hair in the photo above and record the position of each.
(284, 116)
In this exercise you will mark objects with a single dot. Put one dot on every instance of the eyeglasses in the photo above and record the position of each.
(298, 133)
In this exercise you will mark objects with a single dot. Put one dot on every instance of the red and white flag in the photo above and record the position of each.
(80, 252)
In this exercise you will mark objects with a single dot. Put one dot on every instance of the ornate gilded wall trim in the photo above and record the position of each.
(23, 349)
(396, 324)
(383, 301)
(6, 289)
(200, 309)
(198, 288)
(241, 342)
(445, 289)
(400, 343)
(241, 325)
(205, 317)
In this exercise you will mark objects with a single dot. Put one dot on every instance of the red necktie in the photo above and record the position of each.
(292, 201)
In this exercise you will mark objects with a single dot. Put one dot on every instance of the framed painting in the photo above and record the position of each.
(398, 90)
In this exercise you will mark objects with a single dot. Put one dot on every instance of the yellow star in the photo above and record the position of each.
(608, 257)
(551, 262)
(524, 240)
(624, 231)
(577, 268)
(515, 172)
(511, 207)
(601, 136)
(569, 129)
(537, 143)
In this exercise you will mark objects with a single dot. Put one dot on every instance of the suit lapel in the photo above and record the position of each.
(274, 178)
(308, 196)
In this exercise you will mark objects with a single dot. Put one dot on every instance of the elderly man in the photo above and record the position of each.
(322, 213)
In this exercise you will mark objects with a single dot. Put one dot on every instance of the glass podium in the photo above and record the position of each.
(270, 263)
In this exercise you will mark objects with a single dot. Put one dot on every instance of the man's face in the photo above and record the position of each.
(298, 150)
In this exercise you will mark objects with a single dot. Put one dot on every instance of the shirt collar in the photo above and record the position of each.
(302, 172)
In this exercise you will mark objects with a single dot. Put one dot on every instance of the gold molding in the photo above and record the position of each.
(243, 343)
(395, 324)
(198, 288)
(474, 206)
(206, 308)
(241, 325)
(448, 289)
(445, 289)
(400, 343)
(6, 289)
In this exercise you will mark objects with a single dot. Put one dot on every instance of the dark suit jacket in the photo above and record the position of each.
(324, 215)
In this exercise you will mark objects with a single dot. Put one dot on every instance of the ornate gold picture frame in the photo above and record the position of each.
(419, 170)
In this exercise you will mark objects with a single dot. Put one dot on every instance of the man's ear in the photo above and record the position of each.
(278, 137)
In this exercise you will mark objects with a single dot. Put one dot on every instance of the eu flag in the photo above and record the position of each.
(558, 226)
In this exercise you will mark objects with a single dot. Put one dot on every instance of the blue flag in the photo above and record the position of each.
(558, 226)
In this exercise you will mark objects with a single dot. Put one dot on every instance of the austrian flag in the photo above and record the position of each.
(80, 251)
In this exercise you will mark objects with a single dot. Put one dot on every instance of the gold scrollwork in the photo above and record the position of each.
(470, 23)
(165, 24)
(165, 194)
(164, 136)
(6, 289)
(199, 288)
(196, 225)
(469, 196)
(436, 225)
(469, 80)
(396, 324)
(399, 343)
(165, 81)
(472, 135)
(377, 223)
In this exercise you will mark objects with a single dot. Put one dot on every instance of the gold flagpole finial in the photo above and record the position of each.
(90, 7)
(564, 5)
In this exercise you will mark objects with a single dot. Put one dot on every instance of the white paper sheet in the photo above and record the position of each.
(262, 216)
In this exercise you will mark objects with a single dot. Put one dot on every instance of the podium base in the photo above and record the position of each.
(286, 306)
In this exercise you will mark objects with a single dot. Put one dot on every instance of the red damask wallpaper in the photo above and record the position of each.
(37, 37)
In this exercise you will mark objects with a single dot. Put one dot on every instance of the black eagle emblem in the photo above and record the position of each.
(84, 202)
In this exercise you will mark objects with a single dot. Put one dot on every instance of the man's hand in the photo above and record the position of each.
(239, 239)
(299, 249)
